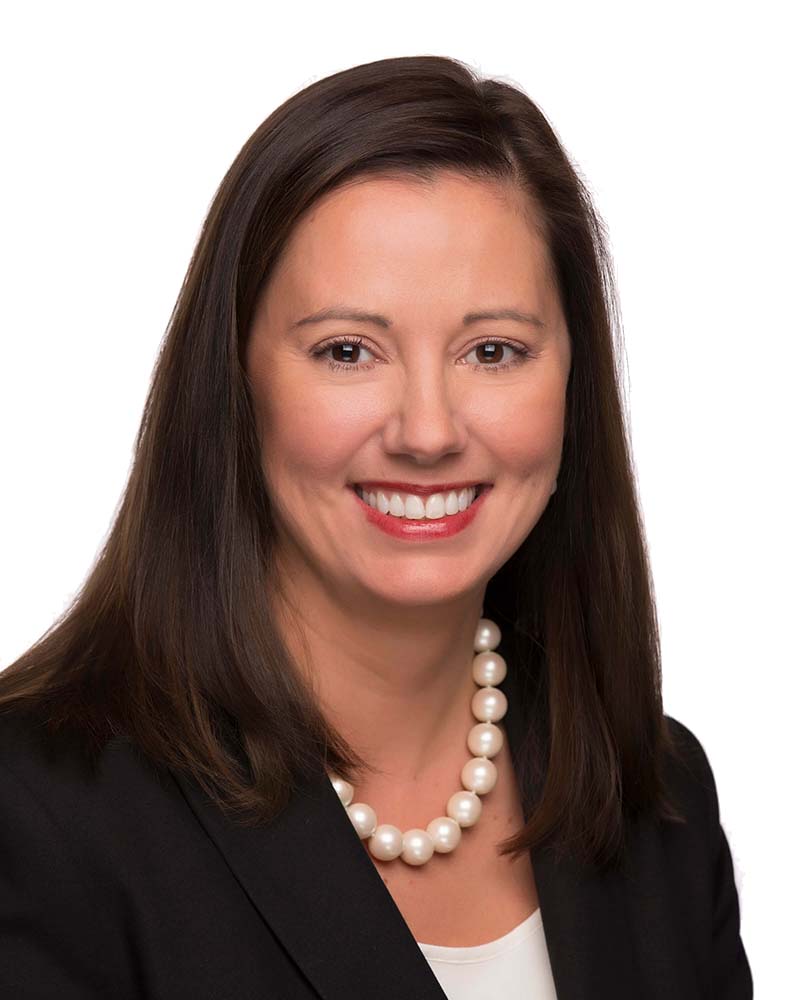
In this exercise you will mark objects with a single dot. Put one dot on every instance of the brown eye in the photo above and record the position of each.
(345, 352)
(491, 351)
(498, 355)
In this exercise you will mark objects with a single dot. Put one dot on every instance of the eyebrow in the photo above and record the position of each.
(361, 316)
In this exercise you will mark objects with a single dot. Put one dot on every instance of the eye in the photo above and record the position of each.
(351, 349)
(498, 354)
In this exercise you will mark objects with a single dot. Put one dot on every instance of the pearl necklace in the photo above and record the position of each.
(478, 776)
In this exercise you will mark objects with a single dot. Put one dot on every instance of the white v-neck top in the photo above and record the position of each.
(515, 966)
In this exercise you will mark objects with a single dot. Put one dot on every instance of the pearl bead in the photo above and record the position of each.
(445, 834)
(485, 740)
(479, 775)
(487, 635)
(465, 808)
(489, 668)
(489, 704)
(363, 819)
(417, 847)
(386, 843)
(343, 789)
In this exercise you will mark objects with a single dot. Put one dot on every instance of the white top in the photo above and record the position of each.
(515, 966)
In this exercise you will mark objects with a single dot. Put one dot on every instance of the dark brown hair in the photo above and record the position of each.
(171, 634)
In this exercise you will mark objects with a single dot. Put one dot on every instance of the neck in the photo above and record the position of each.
(395, 681)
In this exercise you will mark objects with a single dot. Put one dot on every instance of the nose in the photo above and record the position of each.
(425, 420)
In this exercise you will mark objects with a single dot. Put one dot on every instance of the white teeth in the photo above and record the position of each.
(415, 508)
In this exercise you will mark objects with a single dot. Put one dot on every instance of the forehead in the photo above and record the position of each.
(378, 235)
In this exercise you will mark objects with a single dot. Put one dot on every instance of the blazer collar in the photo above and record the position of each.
(309, 877)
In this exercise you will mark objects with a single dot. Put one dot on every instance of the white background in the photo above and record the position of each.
(121, 119)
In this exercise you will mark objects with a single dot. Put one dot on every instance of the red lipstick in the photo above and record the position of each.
(422, 529)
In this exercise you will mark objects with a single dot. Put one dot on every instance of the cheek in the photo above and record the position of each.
(526, 431)
(309, 437)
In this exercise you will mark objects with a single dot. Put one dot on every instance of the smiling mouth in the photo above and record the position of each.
(410, 506)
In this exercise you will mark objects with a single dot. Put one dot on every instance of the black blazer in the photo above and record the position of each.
(132, 884)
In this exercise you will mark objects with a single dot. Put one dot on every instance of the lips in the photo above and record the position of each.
(422, 528)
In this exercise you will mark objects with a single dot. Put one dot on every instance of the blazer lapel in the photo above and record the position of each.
(584, 916)
(310, 878)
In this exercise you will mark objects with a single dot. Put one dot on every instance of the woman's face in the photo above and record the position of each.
(429, 396)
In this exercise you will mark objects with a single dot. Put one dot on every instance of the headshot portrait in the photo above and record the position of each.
(362, 692)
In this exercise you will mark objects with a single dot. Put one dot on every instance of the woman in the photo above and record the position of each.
(362, 697)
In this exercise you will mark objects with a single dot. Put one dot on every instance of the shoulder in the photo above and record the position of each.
(688, 850)
(680, 847)
(689, 775)
(689, 758)
(676, 857)
(48, 867)
(31, 746)
(52, 788)
(700, 865)
(79, 839)
(46, 783)
(691, 750)
(30, 756)
(44, 761)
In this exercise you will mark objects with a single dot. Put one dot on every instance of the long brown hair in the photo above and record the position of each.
(171, 634)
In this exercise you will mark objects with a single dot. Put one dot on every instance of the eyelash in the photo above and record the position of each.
(522, 355)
